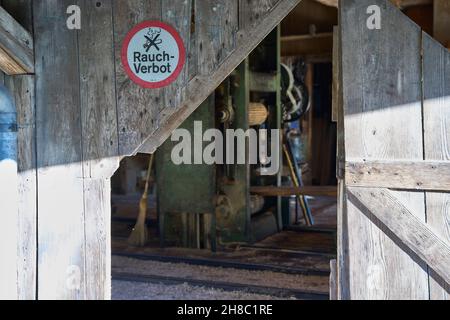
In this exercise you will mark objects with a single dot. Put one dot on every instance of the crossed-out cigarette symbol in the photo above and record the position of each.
(152, 38)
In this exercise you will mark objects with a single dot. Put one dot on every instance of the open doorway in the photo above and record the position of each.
(227, 230)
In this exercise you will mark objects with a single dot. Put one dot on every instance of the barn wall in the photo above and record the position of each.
(395, 99)
(22, 89)
(79, 114)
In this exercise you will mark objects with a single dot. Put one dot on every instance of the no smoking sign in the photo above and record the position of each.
(153, 54)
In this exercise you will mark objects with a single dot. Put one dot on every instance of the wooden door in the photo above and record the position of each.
(395, 226)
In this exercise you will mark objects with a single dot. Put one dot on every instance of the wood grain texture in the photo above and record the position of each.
(16, 43)
(405, 226)
(200, 87)
(22, 88)
(61, 237)
(251, 12)
(217, 25)
(138, 108)
(100, 141)
(382, 118)
(88, 113)
(406, 175)
(342, 217)
(336, 74)
(178, 14)
(9, 282)
(333, 280)
(436, 112)
(97, 90)
(97, 206)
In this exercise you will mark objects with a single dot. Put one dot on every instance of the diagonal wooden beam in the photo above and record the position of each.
(16, 46)
(201, 87)
(415, 234)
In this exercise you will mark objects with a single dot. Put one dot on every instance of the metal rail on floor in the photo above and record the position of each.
(310, 229)
(302, 253)
(226, 286)
(226, 264)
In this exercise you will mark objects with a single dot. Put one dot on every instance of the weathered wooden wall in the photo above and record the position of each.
(22, 88)
(79, 114)
(396, 102)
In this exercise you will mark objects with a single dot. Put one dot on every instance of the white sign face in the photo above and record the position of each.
(153, 54)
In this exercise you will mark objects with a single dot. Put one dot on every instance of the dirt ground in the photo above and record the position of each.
(122, 290)
(260, 278)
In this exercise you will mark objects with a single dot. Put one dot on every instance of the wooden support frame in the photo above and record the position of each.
(404, 225)
(200, 87)
(411, 175)
(393, 235)
(16, 46)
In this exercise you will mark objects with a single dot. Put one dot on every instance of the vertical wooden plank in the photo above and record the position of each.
(193, 48)
(8, 208)
(441, 22)
(342, 227)
(61, 247)
(22, 88)
(97, 88)
(100, 140)
(97, 206)
(138, 108)
(382, 102)
(335, 88)
(436, 112)
(178, 14)
(217, 24)
(252, 12)
(333, 280)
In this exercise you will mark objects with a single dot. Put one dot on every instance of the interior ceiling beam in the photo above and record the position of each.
(301, 45)
(398, 3)
(16, 46)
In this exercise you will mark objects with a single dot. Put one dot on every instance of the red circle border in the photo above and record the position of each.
(181, 61)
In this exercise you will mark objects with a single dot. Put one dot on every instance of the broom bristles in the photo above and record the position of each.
(139, 234)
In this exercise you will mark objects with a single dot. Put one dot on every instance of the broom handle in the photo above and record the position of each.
(149, 171)
(143, 203)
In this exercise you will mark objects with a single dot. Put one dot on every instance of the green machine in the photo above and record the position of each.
(206, 206)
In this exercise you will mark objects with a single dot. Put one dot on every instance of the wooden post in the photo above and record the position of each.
(333, 280)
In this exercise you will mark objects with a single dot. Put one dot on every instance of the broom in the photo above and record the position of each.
(139, 234)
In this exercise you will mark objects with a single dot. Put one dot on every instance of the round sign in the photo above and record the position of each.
(153, 54)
